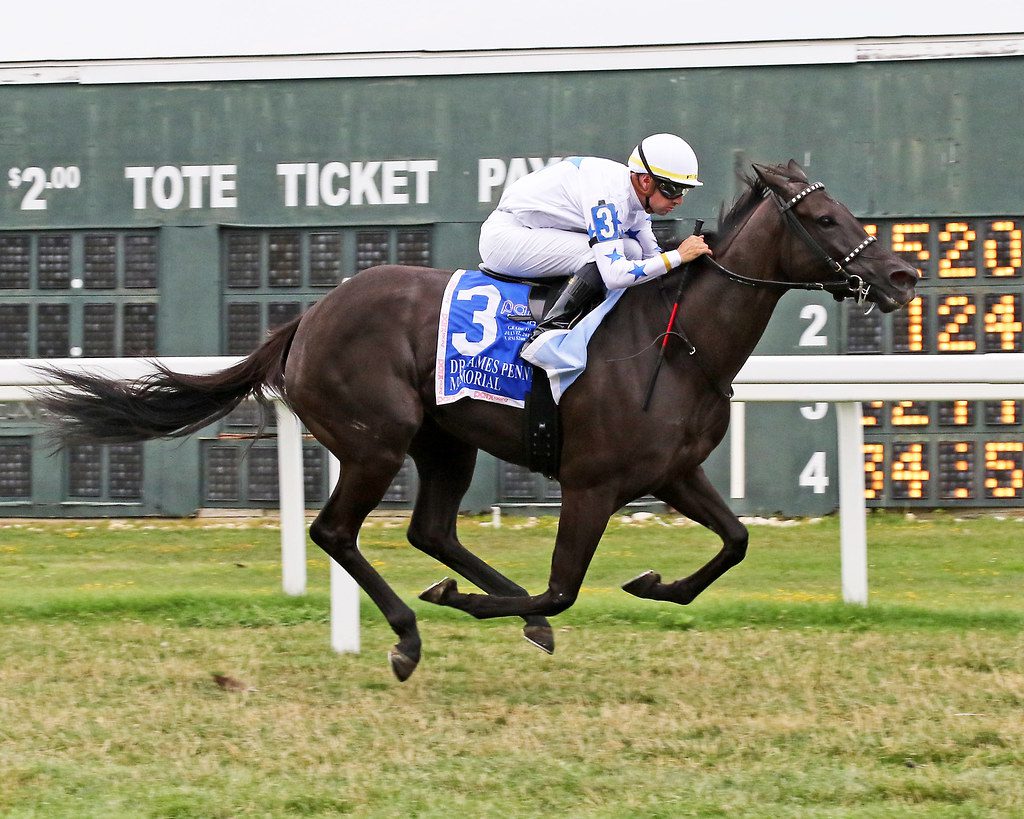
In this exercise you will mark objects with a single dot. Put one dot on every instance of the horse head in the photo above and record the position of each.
(828, 244)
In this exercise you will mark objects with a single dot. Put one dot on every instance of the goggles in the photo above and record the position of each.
(670, 189)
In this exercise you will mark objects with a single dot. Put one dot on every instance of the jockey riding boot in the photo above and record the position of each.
(580, 289)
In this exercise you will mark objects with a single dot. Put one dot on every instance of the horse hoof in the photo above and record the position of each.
(402, 665)
(439, 592)
(541, 636)
(642, 584)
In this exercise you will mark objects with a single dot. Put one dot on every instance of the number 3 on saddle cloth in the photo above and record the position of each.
(484, 323)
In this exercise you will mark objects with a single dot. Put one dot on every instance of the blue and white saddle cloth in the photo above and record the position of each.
(478, 344)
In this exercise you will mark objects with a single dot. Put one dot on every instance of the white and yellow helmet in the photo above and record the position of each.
(666, 156)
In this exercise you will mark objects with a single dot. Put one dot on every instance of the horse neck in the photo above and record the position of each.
(725, 319)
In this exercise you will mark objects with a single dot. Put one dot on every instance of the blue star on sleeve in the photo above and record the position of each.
(632, 234)
(638, 271)
(614, 256)
(575, 160)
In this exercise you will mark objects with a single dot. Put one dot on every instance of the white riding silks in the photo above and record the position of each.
(619, 272)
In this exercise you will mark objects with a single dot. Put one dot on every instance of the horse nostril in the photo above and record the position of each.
(903, 279)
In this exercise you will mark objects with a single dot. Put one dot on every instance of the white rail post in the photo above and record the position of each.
(293, 501)
(344, 590)
(853, 536)
(738, 451)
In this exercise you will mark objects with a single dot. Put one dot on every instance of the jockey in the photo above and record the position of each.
(590, 218)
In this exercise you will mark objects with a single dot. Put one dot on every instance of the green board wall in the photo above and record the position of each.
(905, 139)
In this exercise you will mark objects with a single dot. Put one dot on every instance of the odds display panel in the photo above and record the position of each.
(947, 453)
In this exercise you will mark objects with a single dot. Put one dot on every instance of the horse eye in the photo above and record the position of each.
(826, 221)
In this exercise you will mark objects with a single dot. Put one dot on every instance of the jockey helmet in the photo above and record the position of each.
(667, 158)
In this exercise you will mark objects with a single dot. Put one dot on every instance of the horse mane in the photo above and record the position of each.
(730, 222)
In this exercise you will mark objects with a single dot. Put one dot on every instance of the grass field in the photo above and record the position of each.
(766, 697)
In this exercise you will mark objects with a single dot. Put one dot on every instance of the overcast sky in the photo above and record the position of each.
(104, 29)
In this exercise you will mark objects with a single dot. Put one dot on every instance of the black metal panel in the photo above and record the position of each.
(14, 331)
(243, 260)
(53, 331)
(401, 489)
(262, 473)
(325, 259)
(141, 260)
(99, 325)
(279, 313)
(15, 467)
(15, 261)
(54, 260)
(244, 328)
(517, 483)
(285, 260)
(371, 248)
(220, 470)
(863, 331)
(139, 329)
(314, 473)
(85, 471)
(126, 471)
(413, 247)
(100, 253)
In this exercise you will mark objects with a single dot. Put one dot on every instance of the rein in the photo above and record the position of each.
(849, 285)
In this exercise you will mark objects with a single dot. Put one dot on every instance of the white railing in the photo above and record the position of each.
(846, 381)
(843, 380)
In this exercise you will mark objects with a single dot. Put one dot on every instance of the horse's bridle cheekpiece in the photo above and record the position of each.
(849, 286)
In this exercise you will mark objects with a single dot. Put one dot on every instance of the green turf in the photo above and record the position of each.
(766, 697)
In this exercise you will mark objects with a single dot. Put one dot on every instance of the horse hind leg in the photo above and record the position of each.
(695, 497)
(445, 467)
(335, 529)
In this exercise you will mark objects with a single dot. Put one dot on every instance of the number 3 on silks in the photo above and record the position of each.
(604, 220)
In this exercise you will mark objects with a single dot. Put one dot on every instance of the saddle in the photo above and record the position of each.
(543, 292)
(542, 428)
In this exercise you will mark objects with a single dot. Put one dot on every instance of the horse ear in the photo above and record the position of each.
(797, 170)
(771, 176)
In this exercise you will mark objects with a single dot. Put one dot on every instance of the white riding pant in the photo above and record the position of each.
(507, 246)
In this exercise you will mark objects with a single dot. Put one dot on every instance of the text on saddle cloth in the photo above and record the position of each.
(478, 342)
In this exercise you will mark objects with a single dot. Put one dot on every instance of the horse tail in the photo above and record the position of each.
(166, 404)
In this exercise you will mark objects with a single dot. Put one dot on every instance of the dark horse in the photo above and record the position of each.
(358, 369)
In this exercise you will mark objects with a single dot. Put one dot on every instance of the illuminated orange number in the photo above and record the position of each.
(956, 413)
(956, 328)
(874, 470)
(908, 329)
(909, 476)
(956, 470)
(956, 251)
(1002, 249)
(1002, 413)
(910, 242)
(1002, 323)
(1004, 469)
(871, 413)
(910, 414)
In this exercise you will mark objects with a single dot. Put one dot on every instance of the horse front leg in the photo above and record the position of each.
(445, 467)
(694, 496)
(582, 521)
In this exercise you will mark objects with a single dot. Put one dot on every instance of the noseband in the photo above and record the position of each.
(848, 285)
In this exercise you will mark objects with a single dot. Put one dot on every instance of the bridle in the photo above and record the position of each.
(848, 285)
